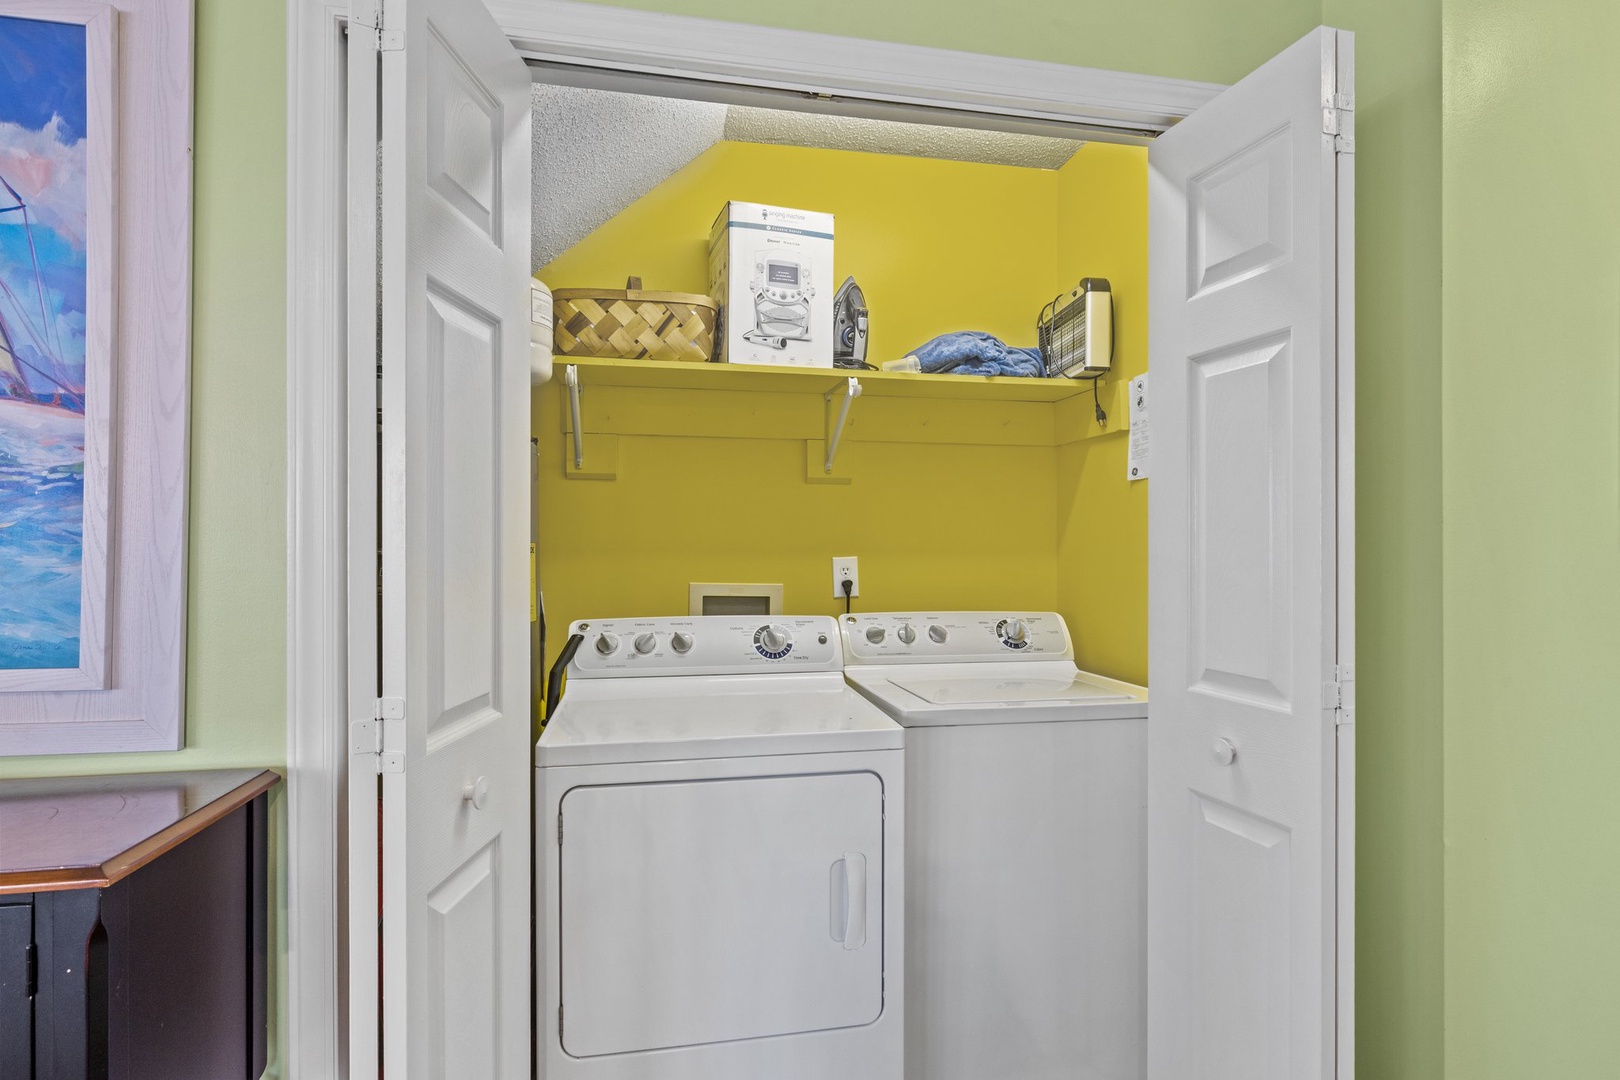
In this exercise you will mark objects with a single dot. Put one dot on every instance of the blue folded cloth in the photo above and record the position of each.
(974, 352)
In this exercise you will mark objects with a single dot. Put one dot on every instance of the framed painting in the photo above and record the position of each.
(95, 373)
(58, 145)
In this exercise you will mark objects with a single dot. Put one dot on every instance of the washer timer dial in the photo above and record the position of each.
(772, 642)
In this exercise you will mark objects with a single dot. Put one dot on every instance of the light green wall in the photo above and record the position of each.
(1532, 538)
(1399, 884)
(1531, 471)
(236, 605)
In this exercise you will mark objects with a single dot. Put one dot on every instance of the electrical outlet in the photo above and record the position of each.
(846, 568)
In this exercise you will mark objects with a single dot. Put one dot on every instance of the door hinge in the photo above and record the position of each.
(559, 828)
(376, 736)
(31, 970)
(390, 41)
(1340, 695)
(559, 1022)
(1339, 121)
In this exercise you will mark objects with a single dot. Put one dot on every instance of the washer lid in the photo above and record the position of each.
(975, 690)
(991, 693)
(692, 717)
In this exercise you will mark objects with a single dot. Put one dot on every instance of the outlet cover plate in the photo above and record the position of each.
(845, 566)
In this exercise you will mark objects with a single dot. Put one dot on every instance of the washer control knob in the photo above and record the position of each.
(772, 639)
(681, 643)
(874, 634)
(1015, 631)
(937, 634)
(646, 643)
(607, 644)
(906, 634)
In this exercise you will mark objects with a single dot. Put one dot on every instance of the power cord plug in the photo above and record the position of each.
(849, 590)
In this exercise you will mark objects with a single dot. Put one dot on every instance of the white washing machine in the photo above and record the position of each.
(1026, 845)
(720, 841)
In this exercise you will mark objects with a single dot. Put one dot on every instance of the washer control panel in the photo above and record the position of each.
(705, 645)
(921, 637)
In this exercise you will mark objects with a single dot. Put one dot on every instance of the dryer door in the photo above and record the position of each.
(708, 911)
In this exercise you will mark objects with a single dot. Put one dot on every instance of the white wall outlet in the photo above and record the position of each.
(846, 568)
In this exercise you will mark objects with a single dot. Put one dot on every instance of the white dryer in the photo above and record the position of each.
(720, 841)
(1026, 844)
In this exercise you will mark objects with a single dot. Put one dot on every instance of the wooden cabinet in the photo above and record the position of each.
(134, 926)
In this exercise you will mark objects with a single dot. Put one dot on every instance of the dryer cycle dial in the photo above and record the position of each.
(772, 642)
(1013, 633)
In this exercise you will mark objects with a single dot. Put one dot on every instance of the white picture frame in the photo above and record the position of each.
(100, 22)
(129, 691)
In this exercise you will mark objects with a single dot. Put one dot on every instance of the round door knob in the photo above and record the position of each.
(1014, 630)
(646, 643)
(1225, 752)
(906, 634)
(607, 644)
(874, 634)
(681, 643)
(937, 634)
(476, 793)
(772, 639)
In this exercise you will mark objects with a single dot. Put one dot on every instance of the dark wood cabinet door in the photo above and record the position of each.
(16, 990)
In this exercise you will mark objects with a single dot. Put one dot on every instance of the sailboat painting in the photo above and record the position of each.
(48, 375)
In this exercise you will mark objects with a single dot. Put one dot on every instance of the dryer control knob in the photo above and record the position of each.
(681, 643)
(906, 634)
(772, 639)
(1015, 631)
(607, 644)
(646, 643)
(874, 634)
(937, 634)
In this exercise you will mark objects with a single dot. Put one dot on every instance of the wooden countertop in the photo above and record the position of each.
(86, 832)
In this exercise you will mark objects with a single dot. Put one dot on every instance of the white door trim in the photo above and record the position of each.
(620, 40)
(317, 509)
(594, 37)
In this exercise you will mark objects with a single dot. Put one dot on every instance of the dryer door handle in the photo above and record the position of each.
(848, 900)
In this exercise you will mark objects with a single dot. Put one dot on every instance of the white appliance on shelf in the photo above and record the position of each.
(719, 837)
(1026, 845)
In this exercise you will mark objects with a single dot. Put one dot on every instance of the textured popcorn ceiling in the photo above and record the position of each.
(598, 151)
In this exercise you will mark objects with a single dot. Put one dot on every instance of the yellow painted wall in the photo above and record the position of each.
(1102, 517)
(951, 504)
(936, 245)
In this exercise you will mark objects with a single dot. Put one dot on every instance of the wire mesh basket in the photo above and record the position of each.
(1076, 331)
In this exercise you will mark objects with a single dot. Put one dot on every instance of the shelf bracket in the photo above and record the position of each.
(835, 432)
(571, 378)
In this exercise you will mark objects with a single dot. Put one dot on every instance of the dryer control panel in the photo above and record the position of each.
(923, 637)
(705, 645)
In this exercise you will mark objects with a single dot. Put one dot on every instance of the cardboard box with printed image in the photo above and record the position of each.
(771, 269)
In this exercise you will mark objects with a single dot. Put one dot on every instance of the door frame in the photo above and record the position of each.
(596, 42)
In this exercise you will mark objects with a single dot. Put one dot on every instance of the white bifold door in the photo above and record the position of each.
(1250, 242)
(439, 111)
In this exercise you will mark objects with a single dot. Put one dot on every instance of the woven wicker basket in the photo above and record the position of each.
(634, 325)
